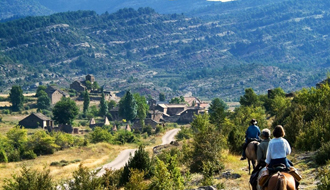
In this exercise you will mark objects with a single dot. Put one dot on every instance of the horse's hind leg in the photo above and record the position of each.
(249, 166)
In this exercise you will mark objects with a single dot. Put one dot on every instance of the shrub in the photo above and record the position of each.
(136, 180)
(30, 179)
(85, 179)
(140, 161)
(28, 155)
(13, 155)
(324, 176)
(3, 156)
(159, 129)
(184, 133)
(42, 143)
(147, 129)
(6, 111)
(100, 135)
(112, 178)
(55, 164)
(63, 140)
(323, 154)
(83, 123)
(123, 137)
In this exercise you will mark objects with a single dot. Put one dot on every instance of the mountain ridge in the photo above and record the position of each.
(141, 49)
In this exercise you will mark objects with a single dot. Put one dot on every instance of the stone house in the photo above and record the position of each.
(148, 121)
(55, 94)
(78, 86)
(35, 120)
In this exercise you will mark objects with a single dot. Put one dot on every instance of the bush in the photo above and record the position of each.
(324, 176)
(184, 133)
(28, 155)
(159, 129)
(323, 154)
(55, 164)
(100, 135)
(85, 179)
(83, 123)
(30, 179)
(13, 155)
(6, 111)
(123, 137)
(147, 129)
(3, 156)
(136, 180)
(112, 178)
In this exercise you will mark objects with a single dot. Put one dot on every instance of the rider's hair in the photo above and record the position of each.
(278, 131)
(265, 133)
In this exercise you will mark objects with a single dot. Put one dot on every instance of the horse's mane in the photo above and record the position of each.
(281, 182)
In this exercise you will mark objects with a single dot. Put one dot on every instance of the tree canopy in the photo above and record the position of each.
(128, 106)
(16, 98)
(65, 111)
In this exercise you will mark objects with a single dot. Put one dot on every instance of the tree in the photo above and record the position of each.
(86, 102)
(217, 111)
(128, 106)
(65, 111)
(103, 106)
(112, 104)
(88, 84)
(207, 145)
(161, 96)
(140, 161)
(249, 98)
(43, 101)
(143, 107)
(16, 98)
(95, 86)
(39, 89)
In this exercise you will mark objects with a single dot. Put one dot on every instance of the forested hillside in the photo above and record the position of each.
(13, 9)
(231, 47)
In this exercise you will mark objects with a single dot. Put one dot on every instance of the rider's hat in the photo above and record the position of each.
(253, 121)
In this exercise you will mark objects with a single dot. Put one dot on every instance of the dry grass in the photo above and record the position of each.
(92, 157)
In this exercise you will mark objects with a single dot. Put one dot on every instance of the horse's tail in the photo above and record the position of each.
(282, 182)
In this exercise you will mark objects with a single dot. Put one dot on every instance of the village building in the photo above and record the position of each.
(36, 120)
(80, 86)
(55, 94)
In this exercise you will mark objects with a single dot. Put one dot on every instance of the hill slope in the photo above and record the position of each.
(21, 8)
(280, 44)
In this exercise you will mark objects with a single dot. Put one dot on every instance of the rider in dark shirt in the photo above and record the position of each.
(252, 132)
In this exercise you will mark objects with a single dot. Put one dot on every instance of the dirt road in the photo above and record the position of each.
(123, 156)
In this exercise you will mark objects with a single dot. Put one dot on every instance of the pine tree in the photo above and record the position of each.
(86, 102)
(103, 106)
(16, 98)
(128, 106)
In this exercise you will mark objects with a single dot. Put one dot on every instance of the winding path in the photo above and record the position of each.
(123, 156)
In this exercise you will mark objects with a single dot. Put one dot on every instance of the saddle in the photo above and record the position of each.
(267, 174)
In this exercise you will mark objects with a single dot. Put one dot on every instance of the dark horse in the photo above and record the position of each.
(281, 181)
(251, 154)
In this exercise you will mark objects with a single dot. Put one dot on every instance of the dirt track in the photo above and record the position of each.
(123, 156)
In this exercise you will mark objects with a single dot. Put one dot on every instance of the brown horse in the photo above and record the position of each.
(281, 181)
(251, 154)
